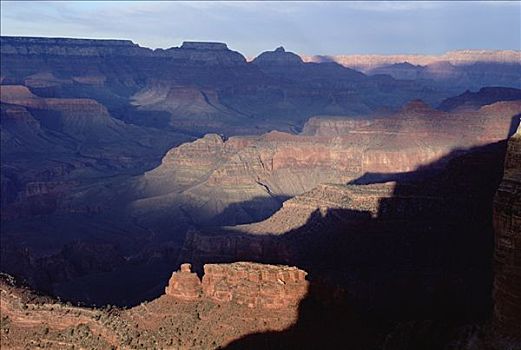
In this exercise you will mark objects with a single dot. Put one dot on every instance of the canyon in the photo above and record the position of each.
(305, 201)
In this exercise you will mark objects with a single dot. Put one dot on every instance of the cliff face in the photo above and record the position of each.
(249, 284)
(383, 238)
(507, 226)
(206, 87)
(190, 53)
(232, 301)
(242, 179)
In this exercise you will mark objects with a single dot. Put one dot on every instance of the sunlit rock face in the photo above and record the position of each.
(249, 284)
(239, 299)
(507, 225)
(184, 284)
(224, 180)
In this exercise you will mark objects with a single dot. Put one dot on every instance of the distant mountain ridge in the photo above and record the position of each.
(367, 62)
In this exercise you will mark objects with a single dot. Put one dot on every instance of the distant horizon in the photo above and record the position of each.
(303, 54)
(308, 28)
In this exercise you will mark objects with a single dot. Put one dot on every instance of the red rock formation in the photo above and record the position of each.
(249, 284)
(507, 225)
(184, 284)
(211, 174)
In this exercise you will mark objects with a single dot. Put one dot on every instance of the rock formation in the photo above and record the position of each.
(244, 179)
(277, 57)
(90, 212)
(190, 53)
(184, 284)
(507, 226)
(249, 284)
(57, 140)
(265, 305)
(204, 87)
(383, 237)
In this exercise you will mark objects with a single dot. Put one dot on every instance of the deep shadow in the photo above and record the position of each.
(423, 263)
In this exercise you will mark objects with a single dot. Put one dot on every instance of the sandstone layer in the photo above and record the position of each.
(239, 299)
(241, 179)
(189, 53)
(250, 284)
(383, 237)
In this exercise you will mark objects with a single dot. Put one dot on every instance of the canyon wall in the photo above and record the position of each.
(245, 178)
(249, 284)
(507, 226)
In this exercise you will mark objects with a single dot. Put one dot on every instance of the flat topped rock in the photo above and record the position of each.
(27, 40)
(203, 45)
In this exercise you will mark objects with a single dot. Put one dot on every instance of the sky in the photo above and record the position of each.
(251, 27)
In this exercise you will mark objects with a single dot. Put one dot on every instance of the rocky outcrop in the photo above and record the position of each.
(507, 226)
(184, 284)
(70, 47)
(201, 45)
(277, 57)
(383, 238)
(30, 320)
(249, 284)
(203, 53)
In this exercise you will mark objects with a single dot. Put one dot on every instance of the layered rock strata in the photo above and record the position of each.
(242, 179)
(507, 225)
(249, 284)
(184, 284)
(190, 53)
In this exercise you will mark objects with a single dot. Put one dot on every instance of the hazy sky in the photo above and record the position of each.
(253, 27)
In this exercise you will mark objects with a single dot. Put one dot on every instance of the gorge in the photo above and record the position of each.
(303, 201)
